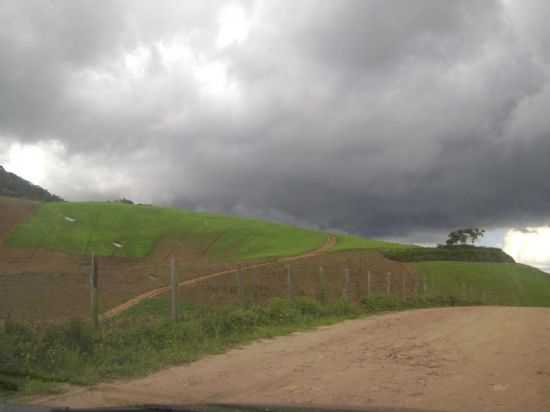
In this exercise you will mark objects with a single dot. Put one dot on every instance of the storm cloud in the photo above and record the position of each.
(387, 118)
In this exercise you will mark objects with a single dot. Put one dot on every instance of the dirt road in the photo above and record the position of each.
(455, 359)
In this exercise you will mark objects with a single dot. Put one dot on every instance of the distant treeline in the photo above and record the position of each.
(464, 253)
(14, 186)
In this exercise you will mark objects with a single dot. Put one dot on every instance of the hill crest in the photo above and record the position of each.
(12, 185)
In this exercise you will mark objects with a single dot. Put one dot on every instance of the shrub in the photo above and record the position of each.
(465, 253)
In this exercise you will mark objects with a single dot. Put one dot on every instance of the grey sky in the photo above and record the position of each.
(390, 118)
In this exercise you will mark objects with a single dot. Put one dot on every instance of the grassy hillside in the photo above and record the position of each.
(463, 253)
(138, 228)
(489, 283)
(15, 186)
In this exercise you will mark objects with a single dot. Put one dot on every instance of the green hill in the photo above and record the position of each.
(14, 186)
(81, 228)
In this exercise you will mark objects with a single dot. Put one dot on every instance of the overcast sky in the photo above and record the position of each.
(394, 119)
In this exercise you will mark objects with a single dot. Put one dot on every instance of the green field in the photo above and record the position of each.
(140, 227)
(489, 283)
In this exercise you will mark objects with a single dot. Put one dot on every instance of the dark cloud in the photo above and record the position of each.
(377, 117)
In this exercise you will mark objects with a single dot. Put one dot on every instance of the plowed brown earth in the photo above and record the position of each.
(38, 284)
(216, 275)
(453, 359)
(263, 283)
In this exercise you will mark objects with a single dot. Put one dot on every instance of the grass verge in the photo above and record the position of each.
(492, 283)
(143, 340)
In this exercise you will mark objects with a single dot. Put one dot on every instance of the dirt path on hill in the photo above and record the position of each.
(46, 285)
(452, 359)
(331, 241)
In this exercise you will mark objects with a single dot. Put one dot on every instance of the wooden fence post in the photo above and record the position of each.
(388, 284)
(368, 284)
(289, 283)
(425, 285)
(253, 282)
(346, 292)
(173, 289)
(403, 286)
(239, 277)
(322, 285)
(93, 292)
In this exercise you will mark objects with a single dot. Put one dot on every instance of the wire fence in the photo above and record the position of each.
(328, 280)
(107, 286)
(43, 286)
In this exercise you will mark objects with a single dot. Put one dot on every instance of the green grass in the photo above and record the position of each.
(139, 228)
(490, 283)
(98, 225)
(143, 340)
(466, 253)
(350, 242)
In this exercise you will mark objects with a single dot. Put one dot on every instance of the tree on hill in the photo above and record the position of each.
(461, 236)
(14, 186)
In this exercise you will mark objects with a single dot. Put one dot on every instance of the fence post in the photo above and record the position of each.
(240, 286)
(322, 285)
(415, 287)
(254, 295)
(93, 292)
(173, 289)
(425, 285)
(368, 284)
(403, 286)
(358, 287)
(346, 292)
(289, 283)
(388, 283)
